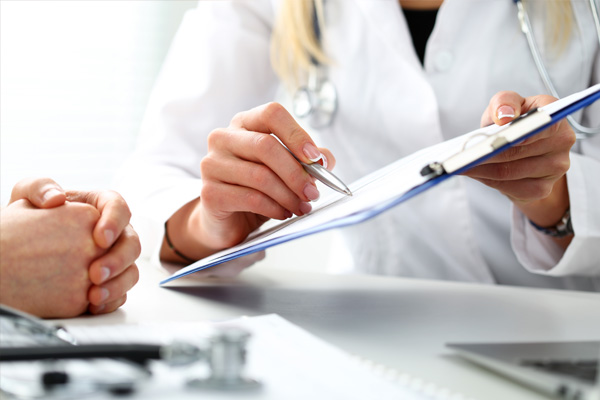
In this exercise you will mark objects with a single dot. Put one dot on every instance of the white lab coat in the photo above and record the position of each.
(389, 107)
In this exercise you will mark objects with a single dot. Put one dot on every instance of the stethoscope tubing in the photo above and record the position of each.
(327, 109)
(581, 132)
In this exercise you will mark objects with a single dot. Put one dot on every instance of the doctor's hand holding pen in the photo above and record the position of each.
(248, 177)
(66, 252)
(531, 174)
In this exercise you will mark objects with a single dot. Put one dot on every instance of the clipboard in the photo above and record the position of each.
(411, 175)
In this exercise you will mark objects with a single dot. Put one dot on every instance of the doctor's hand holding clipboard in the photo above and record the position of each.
(376, 90)
(249, 177)
(531, 174)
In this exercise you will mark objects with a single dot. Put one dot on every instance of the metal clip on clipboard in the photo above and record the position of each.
(493, 143)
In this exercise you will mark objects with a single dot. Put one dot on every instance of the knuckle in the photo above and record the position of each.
(557, 166)
(298, 179)
(238, 119)
(121, 301)
(261, 176)
(135, 272)
(545, 99)
(503, 171)
(542, 189)
(121, 204)
(265, 144)
(297, 134)
(88, 213)
(76, 302)
(568, 138)
(26, 185)
(207, 164)
(254, 199)
(214, 138)
(118, 261)
(273, 110)
(209, 194)
(514, 152)
(22, 184)
(137, 247)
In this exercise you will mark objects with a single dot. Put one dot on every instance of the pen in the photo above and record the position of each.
(32, 327)
(325, 176)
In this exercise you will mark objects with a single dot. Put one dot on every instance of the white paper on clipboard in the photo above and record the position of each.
(397, 182)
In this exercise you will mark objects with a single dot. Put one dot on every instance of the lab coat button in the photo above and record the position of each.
(443, 61)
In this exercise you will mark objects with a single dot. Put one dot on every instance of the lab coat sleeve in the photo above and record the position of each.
(539, 254)
(536, 251)
(217, 66)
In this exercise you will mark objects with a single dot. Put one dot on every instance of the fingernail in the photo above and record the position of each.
(324, 162)
(104, 274)
(104, 293)
(305, 208)
(109, 236)
(287, 214)
(50, 193)
(311, 151)
(311, 192)
(506, 112)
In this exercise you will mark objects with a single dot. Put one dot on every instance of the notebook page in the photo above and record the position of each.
(290, 363)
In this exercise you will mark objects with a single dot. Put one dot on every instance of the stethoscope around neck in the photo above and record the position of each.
(581, 132)
(317, 101)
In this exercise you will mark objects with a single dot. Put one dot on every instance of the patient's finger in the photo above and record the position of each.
(108, 307)
(41, 192)
(114, 288)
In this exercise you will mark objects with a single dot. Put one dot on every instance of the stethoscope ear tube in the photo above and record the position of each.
(318, 101)
(581, 132)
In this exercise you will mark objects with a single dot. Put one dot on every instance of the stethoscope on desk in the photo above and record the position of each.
(317, 101)
(40, 361)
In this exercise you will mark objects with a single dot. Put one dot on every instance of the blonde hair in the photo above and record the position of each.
(559, 24)
(294, 43)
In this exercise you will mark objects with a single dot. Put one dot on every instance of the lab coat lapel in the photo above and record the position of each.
(386, 17)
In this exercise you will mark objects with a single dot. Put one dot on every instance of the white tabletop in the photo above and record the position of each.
(399, 323)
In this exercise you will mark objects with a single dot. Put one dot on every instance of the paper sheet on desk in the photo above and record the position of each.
(379, 190)
(290, 362)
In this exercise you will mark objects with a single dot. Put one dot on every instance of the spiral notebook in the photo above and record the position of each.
(401, 180)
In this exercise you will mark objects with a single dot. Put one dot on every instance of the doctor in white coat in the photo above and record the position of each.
(214, 188)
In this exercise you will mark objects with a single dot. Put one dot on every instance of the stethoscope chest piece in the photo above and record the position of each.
(318, 106)
(226, 357)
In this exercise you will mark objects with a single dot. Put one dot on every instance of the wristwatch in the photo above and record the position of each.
(560, 230)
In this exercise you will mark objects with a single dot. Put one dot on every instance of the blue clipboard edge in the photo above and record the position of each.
(365, 215)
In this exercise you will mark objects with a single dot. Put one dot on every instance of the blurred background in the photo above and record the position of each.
(75, 77)
(74, 80)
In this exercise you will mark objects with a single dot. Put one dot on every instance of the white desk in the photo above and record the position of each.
(400, 323)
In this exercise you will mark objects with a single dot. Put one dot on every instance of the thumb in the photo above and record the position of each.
(503, 108)
(41, 192)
